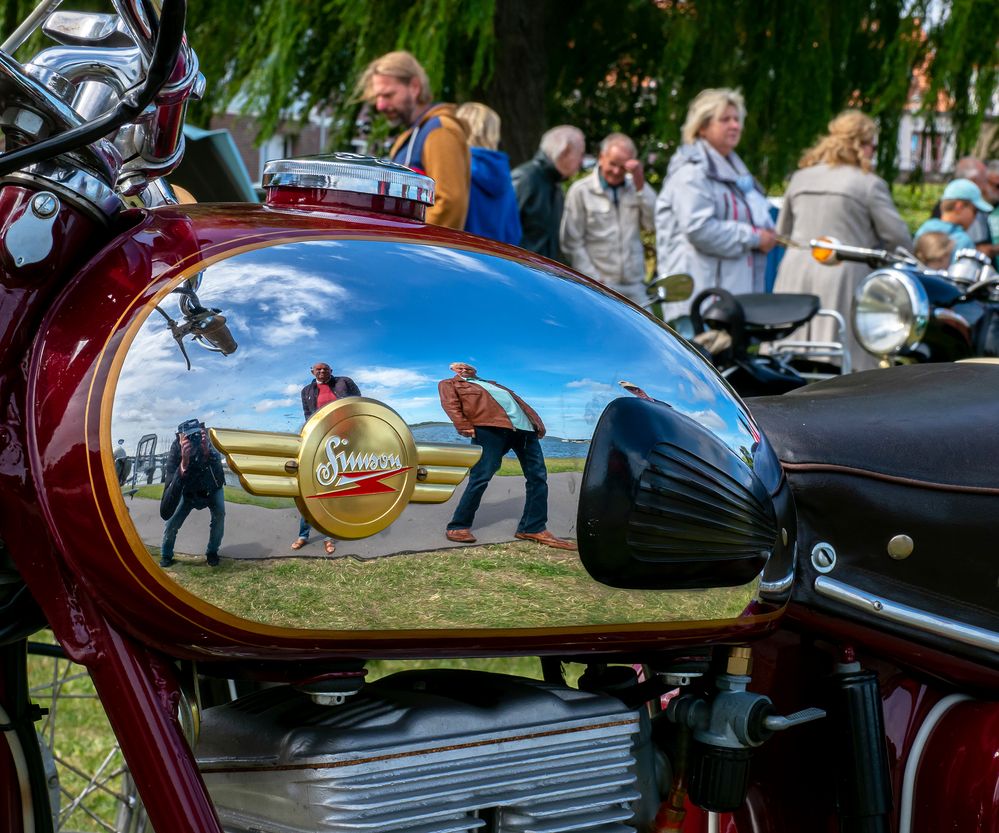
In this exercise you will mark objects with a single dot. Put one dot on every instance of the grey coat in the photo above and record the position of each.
(706, 224)
(838, 201)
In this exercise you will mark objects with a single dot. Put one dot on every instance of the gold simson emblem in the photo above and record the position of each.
(352, 470)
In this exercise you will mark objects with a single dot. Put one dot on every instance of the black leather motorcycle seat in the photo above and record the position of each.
(906, 455)
(934, 425)
(764, 309)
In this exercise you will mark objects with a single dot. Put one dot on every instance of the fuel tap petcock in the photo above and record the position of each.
(726, 729)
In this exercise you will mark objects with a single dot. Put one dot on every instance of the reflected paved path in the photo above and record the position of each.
(253, 532)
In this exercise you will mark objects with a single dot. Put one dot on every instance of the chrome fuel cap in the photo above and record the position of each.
(329, 178)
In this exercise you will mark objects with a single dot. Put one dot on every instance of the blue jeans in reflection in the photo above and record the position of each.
(216, 505)
(304, 530)
(495, 442)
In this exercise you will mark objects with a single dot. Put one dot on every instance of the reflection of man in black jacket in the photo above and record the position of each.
(538, 184)
(325, 388)
(194, 480)
(322, 390)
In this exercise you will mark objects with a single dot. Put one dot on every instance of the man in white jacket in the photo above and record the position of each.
(604, 216)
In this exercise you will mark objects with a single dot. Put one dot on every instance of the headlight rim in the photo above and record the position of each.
(918, 313)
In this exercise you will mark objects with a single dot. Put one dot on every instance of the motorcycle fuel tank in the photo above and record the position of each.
(389, 305)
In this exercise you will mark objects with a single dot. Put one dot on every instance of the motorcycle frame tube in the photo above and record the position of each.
(140, 694)
(72, 472)
(935, 663)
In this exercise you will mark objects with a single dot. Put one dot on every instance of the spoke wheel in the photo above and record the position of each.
(89, 784)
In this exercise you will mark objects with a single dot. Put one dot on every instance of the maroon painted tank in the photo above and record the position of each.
(316, 275)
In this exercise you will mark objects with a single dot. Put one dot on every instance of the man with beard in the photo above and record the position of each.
(435, 141)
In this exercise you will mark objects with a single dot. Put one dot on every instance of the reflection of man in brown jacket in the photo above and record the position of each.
(498, 421)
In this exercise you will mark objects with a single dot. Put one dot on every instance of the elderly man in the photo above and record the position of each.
(538, 185)
(323, 389)
(434, 142)
(498, 421)
(605, 214)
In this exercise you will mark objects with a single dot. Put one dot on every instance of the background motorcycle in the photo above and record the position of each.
(904, 313)
(731, 330)
(862, 621)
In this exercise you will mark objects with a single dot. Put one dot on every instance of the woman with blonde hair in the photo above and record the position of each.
(835, 194)
(712, 218)
(492, 204)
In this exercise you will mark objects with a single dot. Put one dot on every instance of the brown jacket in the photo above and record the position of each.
(468, 405)
(443, 155)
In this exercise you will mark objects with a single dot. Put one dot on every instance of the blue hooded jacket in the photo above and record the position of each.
(492, 204)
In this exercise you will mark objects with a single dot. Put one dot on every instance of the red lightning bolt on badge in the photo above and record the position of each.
(368, 483)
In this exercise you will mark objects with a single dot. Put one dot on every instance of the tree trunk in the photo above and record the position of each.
(517, 89)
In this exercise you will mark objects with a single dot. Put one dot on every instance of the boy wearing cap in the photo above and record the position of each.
(959, 205)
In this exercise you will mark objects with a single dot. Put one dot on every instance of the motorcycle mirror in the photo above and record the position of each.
(825, 254)
(671, 288)
(214, 334)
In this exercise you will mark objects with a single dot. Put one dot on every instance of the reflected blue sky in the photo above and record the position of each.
(393, 316)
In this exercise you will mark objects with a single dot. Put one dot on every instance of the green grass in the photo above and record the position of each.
(83, 736)
(514, 585)
(511, 465)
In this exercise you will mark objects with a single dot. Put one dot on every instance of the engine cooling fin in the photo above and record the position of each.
(425, 752)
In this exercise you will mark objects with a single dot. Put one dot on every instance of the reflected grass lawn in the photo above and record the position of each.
(514, 585)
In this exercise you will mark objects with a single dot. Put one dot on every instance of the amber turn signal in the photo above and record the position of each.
(823, 254)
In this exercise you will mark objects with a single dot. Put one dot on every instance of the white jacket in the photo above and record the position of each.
(706, 224)
(601, 239)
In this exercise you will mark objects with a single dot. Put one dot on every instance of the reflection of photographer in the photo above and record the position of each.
(121, 466)
(194, 480)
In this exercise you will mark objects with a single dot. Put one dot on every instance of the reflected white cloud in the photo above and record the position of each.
(271, 404)
(386, 315)
(390, 378)
(592, 384)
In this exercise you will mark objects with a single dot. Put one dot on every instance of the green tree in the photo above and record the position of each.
(631, 65)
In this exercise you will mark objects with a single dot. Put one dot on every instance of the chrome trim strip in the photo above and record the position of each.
(904, 615)
(780, 586)
(82, 189)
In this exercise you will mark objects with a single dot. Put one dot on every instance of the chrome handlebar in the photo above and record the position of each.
(99, 82)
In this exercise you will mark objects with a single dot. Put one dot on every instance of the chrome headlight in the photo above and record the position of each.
(890, 311)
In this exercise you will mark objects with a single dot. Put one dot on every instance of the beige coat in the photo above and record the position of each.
(838, 201)
(602, 240)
